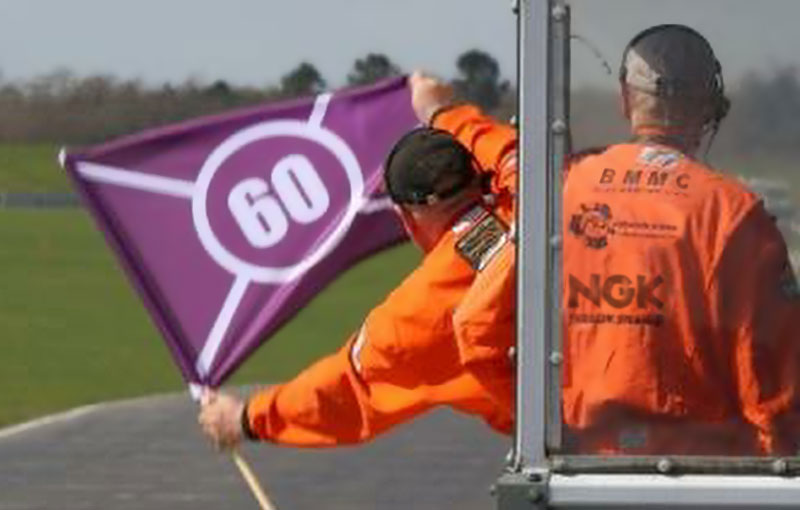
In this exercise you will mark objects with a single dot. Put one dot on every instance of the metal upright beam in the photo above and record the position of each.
(560, 146)
(533, 242)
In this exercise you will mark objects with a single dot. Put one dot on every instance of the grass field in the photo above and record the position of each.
(31, 167)
(73, 332)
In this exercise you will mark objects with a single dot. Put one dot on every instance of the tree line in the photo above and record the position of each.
(62, 107)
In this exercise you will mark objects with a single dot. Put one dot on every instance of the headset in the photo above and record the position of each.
(722, 104)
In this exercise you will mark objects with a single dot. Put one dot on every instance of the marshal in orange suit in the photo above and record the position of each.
(404, 359)
(680, 303)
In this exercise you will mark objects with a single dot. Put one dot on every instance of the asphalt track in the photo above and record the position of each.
(149, 454)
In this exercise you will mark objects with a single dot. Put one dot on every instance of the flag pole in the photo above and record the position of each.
(253, 483)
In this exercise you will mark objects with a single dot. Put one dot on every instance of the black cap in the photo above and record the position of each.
(427, 165)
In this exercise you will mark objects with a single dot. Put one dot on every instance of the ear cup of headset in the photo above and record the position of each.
(722, 105)
(725, 107)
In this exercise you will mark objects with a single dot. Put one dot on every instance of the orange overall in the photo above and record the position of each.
(404, 360)
(678, 299)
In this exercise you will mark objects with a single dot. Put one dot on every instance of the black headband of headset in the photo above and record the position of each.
(623, 71)
(721, 103)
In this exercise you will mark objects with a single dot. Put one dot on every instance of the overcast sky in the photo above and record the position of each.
(256, 41)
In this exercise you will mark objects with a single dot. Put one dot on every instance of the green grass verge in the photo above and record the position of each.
(73, 331)
(31, 167)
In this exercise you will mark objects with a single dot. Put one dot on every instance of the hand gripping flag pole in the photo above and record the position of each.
(228, 225)
(249, 476)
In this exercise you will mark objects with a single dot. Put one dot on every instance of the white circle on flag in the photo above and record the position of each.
(270, 129)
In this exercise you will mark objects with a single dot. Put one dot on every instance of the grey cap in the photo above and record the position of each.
(670, 60)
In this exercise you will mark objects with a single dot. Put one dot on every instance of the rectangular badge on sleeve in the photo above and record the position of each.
(482, 241)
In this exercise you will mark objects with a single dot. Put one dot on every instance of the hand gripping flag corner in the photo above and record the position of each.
(228, 225)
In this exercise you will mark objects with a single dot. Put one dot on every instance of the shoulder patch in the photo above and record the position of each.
(358, 345)
(485, 237)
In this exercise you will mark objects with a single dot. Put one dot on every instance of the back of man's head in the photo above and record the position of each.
(426, 167)
(671, 79)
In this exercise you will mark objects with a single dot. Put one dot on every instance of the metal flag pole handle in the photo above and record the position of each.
(252, 481)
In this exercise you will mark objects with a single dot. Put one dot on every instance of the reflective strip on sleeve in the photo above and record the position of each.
(355, 351)
(509, 160)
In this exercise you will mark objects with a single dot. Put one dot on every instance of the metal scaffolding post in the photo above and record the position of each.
(534, 254)
(538, 255)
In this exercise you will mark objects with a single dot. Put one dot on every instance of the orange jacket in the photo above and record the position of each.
(403, 361)
(485, 326)
(678, 300)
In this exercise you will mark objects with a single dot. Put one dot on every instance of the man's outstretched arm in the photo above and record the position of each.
(401, 362)
(493, 144)
(328, 404)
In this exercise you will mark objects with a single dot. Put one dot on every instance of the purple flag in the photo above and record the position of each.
(228, 225)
